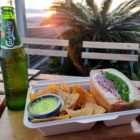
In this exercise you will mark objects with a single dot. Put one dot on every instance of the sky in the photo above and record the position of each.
(43, 4)
(36, 10)
(47, 3)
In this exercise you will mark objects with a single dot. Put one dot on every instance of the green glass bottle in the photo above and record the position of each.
(13, 62)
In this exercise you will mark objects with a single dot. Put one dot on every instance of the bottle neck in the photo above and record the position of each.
(10, 38)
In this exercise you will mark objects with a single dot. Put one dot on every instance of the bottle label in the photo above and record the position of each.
(10, 37)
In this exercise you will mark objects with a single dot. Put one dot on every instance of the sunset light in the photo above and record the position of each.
(48, 14)
(45, 4)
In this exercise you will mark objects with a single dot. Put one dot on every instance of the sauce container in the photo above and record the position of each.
(44, 106)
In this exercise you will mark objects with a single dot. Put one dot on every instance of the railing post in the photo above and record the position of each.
(21, 20)
(21, 17)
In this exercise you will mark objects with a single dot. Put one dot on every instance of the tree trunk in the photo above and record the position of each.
(75, 60)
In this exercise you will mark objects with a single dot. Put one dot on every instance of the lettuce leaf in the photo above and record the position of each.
(120, 85)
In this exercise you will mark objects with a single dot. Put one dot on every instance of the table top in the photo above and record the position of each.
(31, 72)
(12, 127)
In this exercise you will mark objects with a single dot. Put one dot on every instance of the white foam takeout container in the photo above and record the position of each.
(78, 123)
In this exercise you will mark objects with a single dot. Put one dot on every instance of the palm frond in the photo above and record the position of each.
(71, 11)
(116, 36)
(90, 3)
(132, 16)
(126, 27)
(84, 9)
(93, 7)
(121, 6)
(129, 36)
(125, 10)
(106, 4)
(132, 5)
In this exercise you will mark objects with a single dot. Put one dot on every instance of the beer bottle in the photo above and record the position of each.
(13, 61)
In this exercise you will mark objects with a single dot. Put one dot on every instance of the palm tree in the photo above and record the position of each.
(94, 23)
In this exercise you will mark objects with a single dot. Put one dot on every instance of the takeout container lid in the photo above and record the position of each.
(77, 123)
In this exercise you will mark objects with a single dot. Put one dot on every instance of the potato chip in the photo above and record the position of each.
(53, 87)
(51, 119)
(90, 98)
(45, 91)
(33, 96)
(97, 109)
(69, 99)
(86, 110)
(77, 101)
(83, 95)
(64, 87)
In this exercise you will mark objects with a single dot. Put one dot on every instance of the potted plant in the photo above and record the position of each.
(91, 22)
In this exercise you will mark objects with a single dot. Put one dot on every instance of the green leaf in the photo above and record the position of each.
(106, 4)
(90, 3)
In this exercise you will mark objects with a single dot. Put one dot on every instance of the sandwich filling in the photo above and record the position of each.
(114, 85)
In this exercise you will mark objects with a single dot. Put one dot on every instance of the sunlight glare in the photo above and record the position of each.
(45, 4)
(48, 14)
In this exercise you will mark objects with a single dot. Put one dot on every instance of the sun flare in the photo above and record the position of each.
(48, 14)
